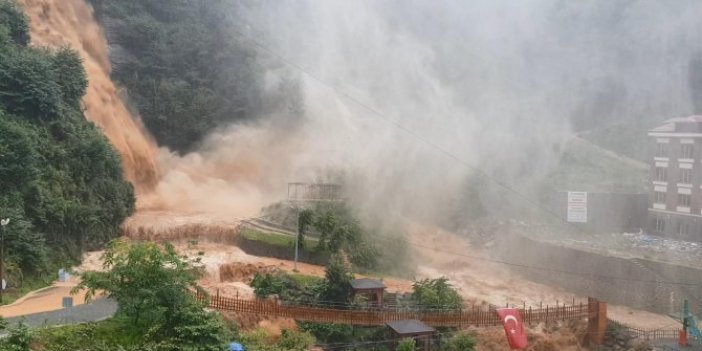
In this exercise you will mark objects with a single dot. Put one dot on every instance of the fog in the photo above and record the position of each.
(404, 100)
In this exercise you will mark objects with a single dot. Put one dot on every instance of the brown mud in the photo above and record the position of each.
(60, 23)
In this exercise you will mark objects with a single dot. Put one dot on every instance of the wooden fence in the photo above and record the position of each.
(654, 334)
(466, 317)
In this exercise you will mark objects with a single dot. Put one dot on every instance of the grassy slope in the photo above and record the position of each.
(624, 138)
(586, 166)
(273, 238)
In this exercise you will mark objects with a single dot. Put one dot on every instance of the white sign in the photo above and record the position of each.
(577, 207)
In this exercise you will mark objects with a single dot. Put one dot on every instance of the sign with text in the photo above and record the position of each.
(577, 207)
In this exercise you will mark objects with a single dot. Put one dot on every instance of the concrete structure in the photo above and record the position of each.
(675, 189)
(411, 329)
(372, 289)
(597, 321)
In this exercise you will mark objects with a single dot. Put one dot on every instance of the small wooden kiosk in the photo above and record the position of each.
(413, 329)
(372, 289)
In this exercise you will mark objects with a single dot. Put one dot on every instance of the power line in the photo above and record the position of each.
(396, 124)
(458, 160)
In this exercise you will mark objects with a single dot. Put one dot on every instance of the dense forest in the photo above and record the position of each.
(61, 183)
(183, 66)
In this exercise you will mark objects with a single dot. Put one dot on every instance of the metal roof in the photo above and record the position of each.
(367, 284)
(410, 326)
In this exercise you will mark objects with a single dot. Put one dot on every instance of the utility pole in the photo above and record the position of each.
(3, 223)
(297, 240)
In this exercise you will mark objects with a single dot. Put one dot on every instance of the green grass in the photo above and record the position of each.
(303, 280)
(30, 284)
(584, 166)
(274, 239)
(109, 334)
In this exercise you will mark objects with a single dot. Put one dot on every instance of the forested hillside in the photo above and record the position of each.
(61, 183)
(183, 66)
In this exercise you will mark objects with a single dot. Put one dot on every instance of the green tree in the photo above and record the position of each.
(337, 283)
(406, 345)
(153, 286)
(304, 219)
(267, 284)
(191, 328)
(150, 283)
(325, 223)
(62, 183)
(185, 72)
(16, 23)
(436, 293)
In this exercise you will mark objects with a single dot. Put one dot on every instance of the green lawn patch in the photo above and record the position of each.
(273, 238)
(303, 280)
(108, 334)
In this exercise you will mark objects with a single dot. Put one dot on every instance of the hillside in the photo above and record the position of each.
(186, 74)
(61, 182)
(626, 138)
(588, 167)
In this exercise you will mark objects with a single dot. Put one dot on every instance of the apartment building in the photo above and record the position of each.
(675, 196)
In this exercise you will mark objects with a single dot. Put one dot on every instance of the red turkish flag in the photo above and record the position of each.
(512, 321)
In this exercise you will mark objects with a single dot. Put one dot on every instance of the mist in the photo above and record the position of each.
(404, 101)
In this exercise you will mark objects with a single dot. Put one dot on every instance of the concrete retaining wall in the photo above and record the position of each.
(644, 284)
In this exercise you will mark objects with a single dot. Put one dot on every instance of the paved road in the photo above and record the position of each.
(96, 311)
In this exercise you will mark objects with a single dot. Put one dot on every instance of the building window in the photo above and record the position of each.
(686, 150)
(683, 228)
(659, 197)
(660, 225)
(661, 150)
(686, 176)
(661, 174)
(684, 200)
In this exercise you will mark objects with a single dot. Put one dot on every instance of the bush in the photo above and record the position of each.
(18, 339)
(406, 345)
(436, 293)
(460, 342)
(295, 341)
(267, 284)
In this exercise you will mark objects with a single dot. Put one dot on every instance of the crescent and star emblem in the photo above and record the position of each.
(516, 323)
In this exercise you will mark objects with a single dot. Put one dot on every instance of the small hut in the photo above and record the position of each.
(413, 329)
(372, 289)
